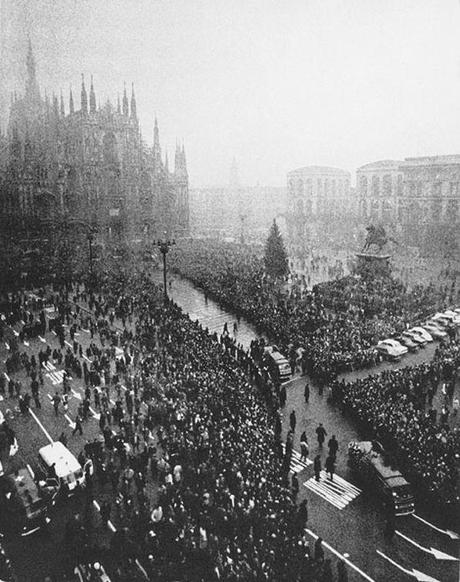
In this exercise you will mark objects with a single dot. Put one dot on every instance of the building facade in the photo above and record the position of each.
(86, 169)
(380, 189)
(421, 190)
(316, 195)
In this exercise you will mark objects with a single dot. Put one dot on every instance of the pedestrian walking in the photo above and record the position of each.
(105, 512)
(37, 400)
(282, 396)
(330, 466)
(319, 552)
(321, 434)
(333, 446)
(293, 420)
(78, 426)
(56, 402)
(317, 467)
(304, 451)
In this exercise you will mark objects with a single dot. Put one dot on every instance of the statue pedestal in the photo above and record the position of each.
(373, 265)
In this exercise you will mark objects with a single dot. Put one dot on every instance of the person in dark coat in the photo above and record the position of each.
(306, 393)
(330, 466)
(321, 434)
(333, 446)
(293, 420)
(317, 466)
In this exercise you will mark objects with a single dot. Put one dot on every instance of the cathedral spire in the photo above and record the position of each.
(32, 90)
(133, 103)
(92, 98)
(157, 163)
(166, 162)
(125, 103)
(71, 108)
(118, 104)
(62, 106)
(84, 97)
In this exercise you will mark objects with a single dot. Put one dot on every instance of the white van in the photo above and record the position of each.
(68, 469)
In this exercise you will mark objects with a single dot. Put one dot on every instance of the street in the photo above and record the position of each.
(349, 519)
(353, 524)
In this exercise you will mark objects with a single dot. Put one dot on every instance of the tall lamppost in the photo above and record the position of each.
(164, 245)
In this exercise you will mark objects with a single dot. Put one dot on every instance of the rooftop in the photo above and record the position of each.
(318, 171)
(382, 164)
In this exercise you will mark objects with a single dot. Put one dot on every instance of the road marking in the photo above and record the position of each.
(76, 394)
(68, 344)
(48, 366)
(453, 535)
(111, 526)
(7, 345)
(70, 421)
(433, 551)
(53, 332)
(142, 569)
(16, 333)
(341, 556)
(313, 485)
(337, 492)
(26, 343)
(87, 359)
(95, 414)
(42, 339)
(50, 397)
(41, 425)
(31, 473)
(6, 376)
(96, 505)
(297, 463)
(421, 577)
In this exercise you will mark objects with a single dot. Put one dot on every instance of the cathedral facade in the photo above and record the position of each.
(87, 171)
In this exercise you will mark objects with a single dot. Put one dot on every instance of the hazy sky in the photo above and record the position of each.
(275, 84)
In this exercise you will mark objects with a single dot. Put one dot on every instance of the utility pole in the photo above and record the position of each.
(164, 245)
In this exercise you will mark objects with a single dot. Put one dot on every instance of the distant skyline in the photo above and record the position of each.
(274, 85)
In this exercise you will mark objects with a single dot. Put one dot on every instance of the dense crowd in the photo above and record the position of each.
(397, 406)
(199, 480)
(337, 323)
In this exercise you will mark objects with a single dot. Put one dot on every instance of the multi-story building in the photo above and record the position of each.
(413, 191)
(86, 168)
(380, 188)
(431, 191)
(316, 195)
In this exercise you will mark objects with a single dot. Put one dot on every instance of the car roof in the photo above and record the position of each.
(65, 461)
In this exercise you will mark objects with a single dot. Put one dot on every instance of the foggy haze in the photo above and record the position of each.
(276, 85)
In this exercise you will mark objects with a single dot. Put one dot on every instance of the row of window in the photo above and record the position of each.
(433, 211)
(323, 186)
(385, 187)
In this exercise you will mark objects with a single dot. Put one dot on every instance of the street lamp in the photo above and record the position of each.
(164, 245)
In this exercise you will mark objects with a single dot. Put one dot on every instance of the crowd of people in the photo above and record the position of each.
(397, 406)
(199, 479)
(337, 323)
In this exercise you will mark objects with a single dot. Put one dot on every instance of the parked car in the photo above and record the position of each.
(434, 330)
(407, 341)
(442, 320)
(391, 349)
(453, 317)
(421, 332)
(415, 337)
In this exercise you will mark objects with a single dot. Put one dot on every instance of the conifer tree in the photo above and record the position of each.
(276, 260)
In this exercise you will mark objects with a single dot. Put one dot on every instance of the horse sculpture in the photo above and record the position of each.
(376, 235)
